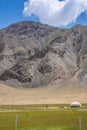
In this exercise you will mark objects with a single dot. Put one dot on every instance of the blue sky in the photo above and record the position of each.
(12, 11)
(82, 20)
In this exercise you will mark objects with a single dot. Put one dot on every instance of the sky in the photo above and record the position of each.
(58, 13)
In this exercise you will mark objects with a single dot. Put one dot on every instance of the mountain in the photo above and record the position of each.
(33, 54)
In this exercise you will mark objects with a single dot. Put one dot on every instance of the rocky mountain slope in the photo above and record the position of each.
(32, 54)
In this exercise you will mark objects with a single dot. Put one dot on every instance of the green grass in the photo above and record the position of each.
(31, 107)
(46, 128)
(38, 107)
(44, 120)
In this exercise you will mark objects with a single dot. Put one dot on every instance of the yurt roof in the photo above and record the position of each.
(75, 103)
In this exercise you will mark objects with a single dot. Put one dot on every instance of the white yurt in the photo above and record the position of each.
(75, 104)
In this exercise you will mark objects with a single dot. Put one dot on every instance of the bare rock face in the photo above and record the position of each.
(32, 54)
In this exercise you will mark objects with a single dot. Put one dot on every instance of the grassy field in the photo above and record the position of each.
(38, 107)
(41, 119)
(33, 106)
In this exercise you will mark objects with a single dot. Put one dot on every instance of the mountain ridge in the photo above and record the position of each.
(33, 54)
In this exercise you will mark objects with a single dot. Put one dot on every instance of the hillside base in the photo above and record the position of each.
(61, 92)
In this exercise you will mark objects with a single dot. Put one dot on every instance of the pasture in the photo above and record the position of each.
(40, 117)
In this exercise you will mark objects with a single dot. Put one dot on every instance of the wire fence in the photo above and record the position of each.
(26, 121)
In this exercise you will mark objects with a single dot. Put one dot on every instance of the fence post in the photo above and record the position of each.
(80, 123)
(16, 122)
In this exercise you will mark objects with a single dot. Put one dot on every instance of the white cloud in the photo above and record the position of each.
(54, 12)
